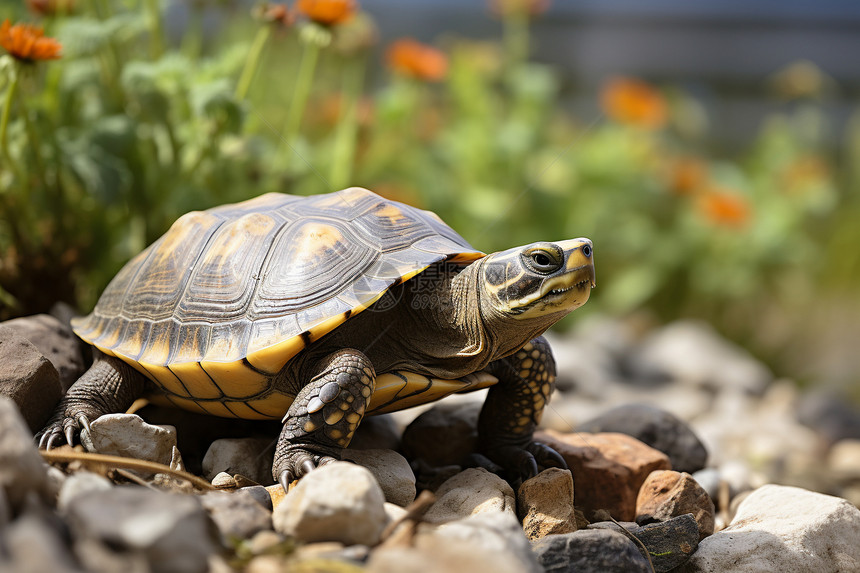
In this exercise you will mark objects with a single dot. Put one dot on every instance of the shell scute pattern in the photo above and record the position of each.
(227, 296)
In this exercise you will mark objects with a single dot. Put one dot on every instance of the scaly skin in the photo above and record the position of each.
(109, 386)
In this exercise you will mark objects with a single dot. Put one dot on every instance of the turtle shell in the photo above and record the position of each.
(225, 298)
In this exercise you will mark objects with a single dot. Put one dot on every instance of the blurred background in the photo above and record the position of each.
(711, 150)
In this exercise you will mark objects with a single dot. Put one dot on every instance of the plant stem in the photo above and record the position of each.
(156, 46)
(345, 137)
(4, 119)
(516, 37)
(253, 61)
(304, 81)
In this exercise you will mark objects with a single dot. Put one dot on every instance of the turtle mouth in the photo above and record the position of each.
(578, 286)
(585, 274)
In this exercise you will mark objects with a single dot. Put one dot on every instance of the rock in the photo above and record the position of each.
(693, 353)
(844, 459)
(28, 378)
(378, 432)
(251, 457)
(656, 428)
(276, 494)
(22, 470)
(437, 554)
(608, 469)
(444, 435)
(833, 416)
(238, 515)
(471, 492)
(489, 531)
(786, 529)
(138, 529)
(56, 341)
(78, 484)
(391, 471)
(260, 495)
(339, 501)
(127, 435)
(545, 504)
(668, 544)
(667, 494)
(590, 551)
(35, 544)
(584, 366)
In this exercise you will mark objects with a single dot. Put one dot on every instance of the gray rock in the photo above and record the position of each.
(238, 515)
(833, 416)
(786, 529)
(339, 501)
(669, 543)
(35, 544)
(80, 483)
(437, 554)
(657, 428)
(56, 341)
(391, 471)
(129, 436)
(379, 432)
(28, 378)
(22, 470)
(259, 494)
(444, 435)
(545, 504)
(590, 551)
(138, 529)
(491, 531)
(693, 352)
(251, 457)
(469, 493)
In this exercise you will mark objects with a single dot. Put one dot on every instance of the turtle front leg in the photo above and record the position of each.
(513, 410)
(109, 386)
(322, 419)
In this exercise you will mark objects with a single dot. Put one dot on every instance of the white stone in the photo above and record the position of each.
(127, 435)
(251, 457)
(21, 467)
(785, 529)
(78, 484)
(391, 470)
(471, 492)
(339, 501)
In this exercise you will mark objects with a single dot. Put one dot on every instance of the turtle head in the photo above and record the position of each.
(538, 283)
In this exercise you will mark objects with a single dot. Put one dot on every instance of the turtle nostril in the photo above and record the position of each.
(586, 250)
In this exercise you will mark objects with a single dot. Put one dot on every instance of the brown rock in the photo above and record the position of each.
(28, 378)
(545, 504)
(668, 494)
(608, 469)
(56, 341)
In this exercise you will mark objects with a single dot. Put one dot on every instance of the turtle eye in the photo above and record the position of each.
(543, 260)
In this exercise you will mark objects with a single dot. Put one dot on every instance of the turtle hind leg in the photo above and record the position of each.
(109, 386)
(322, 419)
(513, 410)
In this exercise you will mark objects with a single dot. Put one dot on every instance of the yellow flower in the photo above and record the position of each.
(417, 60)
(634, 102)
(327, 12)
(28, 43)
(725, 208)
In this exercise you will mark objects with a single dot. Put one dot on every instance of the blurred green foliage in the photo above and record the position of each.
(108, 145)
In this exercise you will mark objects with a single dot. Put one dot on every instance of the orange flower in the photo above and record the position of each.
(515, 7)
(634, 102)
(725, 208)
(27, 43)
(327, 12)
(417, 60)
(686, 175)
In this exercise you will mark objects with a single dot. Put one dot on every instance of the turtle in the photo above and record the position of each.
(319, 310)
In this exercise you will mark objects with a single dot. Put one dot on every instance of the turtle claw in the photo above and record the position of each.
(307, 467)
(84, 423)
(285, 479)
(546, 456)
(70, 434)
(522, 463)
(301, 464)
